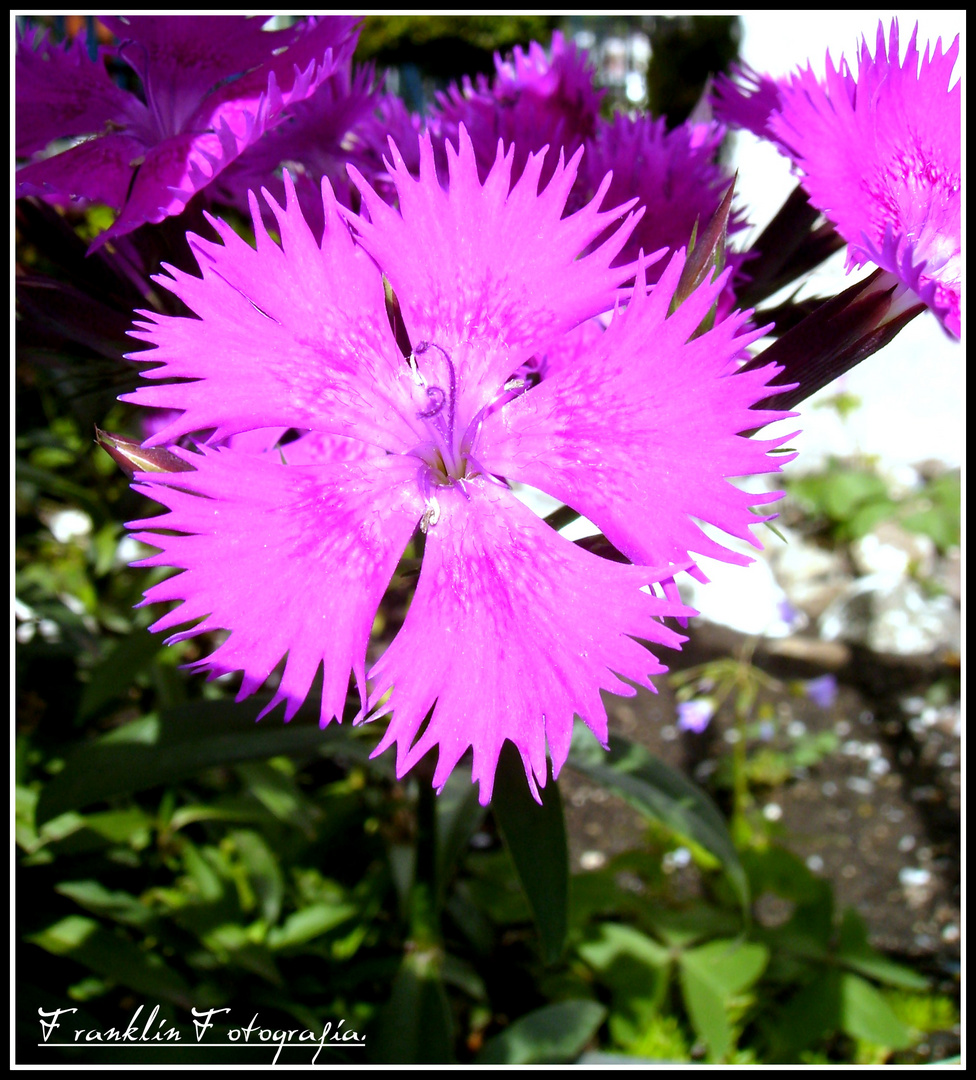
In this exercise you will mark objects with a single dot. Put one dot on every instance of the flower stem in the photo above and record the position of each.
(422, 902)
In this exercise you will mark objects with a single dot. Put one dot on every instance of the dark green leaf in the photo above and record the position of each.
(616, 941)
(458, 815)
(179, 743)
(553, 1035)
(263, 872)
(309, 923)
(810, 1014)
(415, 1026)
(636, 968)
(112, 676)
(109, 954)
(854, 951)
(279, 795)
(536, 839)
(121, 906)
(660, 793)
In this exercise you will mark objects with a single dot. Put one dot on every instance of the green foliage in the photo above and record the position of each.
(383, 35)
(850, 499)
(173, 851)
(552, 1035)
(535, 835)
(661, 794)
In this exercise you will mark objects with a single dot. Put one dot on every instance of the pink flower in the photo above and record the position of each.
(513, 629)
(880, 155)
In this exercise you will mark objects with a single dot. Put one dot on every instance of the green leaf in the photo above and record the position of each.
(636, 968)
(123, 907)
(849, 490)
(616, 942)
(811, 1014)
(809, 929)
(458, 815)
(309, 923)
(553, 1035)
(415, 1026)
(866, 1015)
(711, 975)
(661, 794)
(459, 973)
(280, 795)
(730, 966)
(179, 743)
(51, 482)
(864, 519)
(536, 839)
(105, 953)
(263, 872)
(112, 676)
(854, 952)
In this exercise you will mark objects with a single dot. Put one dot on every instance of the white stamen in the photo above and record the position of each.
(415, 372)
(431, 515)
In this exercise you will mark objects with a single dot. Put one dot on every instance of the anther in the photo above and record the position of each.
(431, 515)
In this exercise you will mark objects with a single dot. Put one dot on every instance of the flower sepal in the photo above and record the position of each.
(836, 336)
(132, 457)
(706, 258)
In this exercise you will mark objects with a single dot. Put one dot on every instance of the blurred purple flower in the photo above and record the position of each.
(695, 715)
(675, 174)
(822, 691)
(535, 100)
(319, 137)
(211, 86)
(746, 99)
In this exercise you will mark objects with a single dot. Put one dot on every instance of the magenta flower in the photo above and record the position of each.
(513, 629)
(880, 156)
(212, 85)
(674, 174)
(533, 101)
